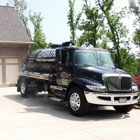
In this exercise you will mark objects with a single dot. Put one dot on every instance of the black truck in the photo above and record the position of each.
(79, 76)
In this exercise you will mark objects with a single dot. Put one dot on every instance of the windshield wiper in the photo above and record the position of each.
(87, 65)
(84, 65)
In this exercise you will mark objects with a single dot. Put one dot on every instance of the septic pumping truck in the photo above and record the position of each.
(79, 76)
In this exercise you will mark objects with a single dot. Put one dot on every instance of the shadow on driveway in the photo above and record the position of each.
(43, 104)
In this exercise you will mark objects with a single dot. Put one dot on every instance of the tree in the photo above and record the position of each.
(73, 20)
(136, 37)
(21, 8)
(128, 61)
(39, 37)
(92, 26)
(35, 18)
(134, 8)
(117, 32)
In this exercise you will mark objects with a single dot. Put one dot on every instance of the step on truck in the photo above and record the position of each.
(79, 76)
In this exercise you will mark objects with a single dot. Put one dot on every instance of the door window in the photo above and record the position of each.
(64, 58)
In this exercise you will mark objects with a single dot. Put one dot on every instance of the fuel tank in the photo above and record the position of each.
(42, 60)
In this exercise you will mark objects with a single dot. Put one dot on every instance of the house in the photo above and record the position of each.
(14, 46)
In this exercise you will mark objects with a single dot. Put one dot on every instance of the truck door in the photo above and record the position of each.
(63, 72)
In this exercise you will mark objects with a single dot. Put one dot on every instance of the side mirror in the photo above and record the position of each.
(116, 60)
(58, 57)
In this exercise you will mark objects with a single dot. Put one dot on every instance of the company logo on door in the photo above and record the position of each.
(64, 75)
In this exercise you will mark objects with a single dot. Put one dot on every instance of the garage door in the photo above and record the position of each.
(9, 70)
(0, 71)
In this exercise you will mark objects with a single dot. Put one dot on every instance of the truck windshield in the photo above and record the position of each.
(93, 58)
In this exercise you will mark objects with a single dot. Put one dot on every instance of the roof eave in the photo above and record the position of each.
(16, 42)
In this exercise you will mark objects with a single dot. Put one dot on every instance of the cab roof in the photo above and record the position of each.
(70, 45)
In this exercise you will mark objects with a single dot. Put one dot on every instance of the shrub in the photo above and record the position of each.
(138, 101)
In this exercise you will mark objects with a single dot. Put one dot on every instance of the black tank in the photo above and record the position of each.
(41, 60)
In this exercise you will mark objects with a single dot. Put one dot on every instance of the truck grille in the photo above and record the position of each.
(119, 83)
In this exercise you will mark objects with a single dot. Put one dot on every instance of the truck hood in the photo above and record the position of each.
(95, 73)
(101, 70)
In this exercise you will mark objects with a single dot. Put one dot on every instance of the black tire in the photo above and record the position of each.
(23, 88)
(124, 108)
(79, 106)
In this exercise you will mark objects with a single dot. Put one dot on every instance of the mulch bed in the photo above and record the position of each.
(136, 107)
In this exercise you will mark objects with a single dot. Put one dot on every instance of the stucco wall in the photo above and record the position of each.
(20, 51)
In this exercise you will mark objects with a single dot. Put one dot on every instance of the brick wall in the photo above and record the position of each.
(16, 50)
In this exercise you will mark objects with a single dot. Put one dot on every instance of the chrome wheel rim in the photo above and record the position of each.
(75, 101)
(22, 88)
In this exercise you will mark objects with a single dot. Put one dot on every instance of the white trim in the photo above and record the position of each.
(92, 97)
(15, 42)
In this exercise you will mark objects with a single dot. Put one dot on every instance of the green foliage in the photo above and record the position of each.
(117, 32)
(138, 102)
(134, 8)
(91, 26)
(73, 20)
(136, 37)
(39, 37)
(128, 61)
(49, 44)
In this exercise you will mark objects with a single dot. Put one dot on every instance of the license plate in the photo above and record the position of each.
(123, 100)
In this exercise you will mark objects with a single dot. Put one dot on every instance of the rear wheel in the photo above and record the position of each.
(124, 108)
(77, 103)
(23, 88)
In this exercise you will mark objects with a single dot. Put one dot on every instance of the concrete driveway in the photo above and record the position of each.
(44, 119)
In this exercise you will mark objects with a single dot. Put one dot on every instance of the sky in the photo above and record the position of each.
(54, 13)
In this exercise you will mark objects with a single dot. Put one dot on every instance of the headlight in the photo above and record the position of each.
(135, 88)
(96, 88)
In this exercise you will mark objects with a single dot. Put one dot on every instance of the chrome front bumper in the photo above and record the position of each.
(111, 98)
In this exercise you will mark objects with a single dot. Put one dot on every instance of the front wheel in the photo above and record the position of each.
(77, 103)
(123, 108)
